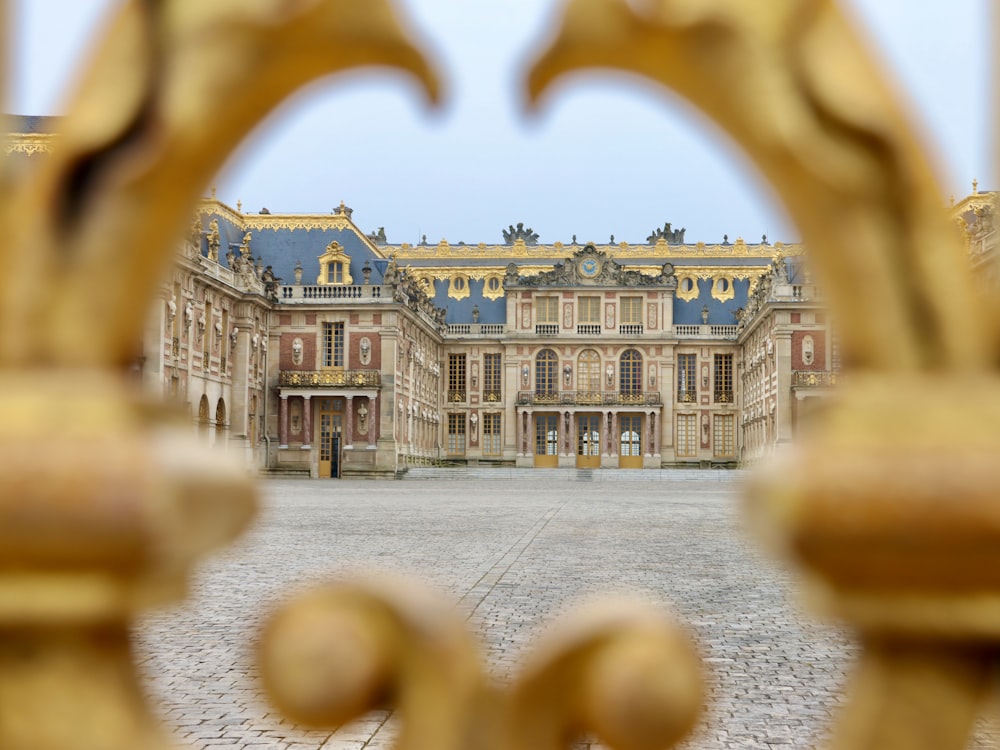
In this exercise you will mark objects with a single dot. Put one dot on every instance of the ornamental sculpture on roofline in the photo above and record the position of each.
(527, 236)
(666, 234)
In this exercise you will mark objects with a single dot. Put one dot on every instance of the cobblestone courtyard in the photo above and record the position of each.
(513, 554)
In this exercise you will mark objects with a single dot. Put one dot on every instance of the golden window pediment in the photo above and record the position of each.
(334, 266)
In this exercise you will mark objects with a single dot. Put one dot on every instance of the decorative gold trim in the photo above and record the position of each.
(458, 286)
(213, 207)
(720, 294)
(29, 143)
(692, 293)
(297, 221)
(494, 294)
(557, 251)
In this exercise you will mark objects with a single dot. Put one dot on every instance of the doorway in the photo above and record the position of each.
(331, 413)
(546, 441)
(588, 441)
(630, 445)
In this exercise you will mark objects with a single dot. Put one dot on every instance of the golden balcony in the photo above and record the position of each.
(323, 378)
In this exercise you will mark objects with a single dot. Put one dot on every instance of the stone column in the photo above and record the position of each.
(373, 419)
(529, 434)
(654, 431)
(283, 422)
(349, 424)
(783, 365)
(571, 437)
(307, 427)
(615, 437)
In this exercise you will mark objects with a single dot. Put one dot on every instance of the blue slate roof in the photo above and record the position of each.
(31, 123)
(283, 248)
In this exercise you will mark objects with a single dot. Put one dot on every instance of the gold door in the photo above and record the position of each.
(630, 441)
(588, 441)
(330, 415)
(546, 440)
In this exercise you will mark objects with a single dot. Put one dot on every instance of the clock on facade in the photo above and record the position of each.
(589, 267)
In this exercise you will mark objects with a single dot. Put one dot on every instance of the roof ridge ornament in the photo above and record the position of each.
(512, 235)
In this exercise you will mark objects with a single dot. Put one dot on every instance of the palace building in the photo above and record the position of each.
(309, 345)
(316, 347)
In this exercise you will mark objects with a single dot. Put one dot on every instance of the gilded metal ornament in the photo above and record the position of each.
(116, 523)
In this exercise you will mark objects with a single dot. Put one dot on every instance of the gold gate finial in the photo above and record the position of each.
(888, 503)
(115, 523)
(616, 668)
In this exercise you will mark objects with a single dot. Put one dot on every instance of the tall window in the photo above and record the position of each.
(492, 443)
(546, 373)
(724, 439)
(631, 310)
(491, 378)
(456, 377)
(588, 375)
(589, 310)
(456, 434)
(631, 435)
(687, 373)
(206, 332)
(547, 309)
(687, 434)
(546, 435)
(630, 372)
(723, 378)
(333, 345)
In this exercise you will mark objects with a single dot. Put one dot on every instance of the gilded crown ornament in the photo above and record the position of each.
(115, 524)
(888, 503)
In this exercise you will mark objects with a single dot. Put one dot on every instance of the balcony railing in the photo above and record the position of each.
(324, 378)
(589, 329)
(804, 379)
(354, 292)
(586, 398)
(492, 396)
(630, 329)
(546, 329)
(705, 331)
(456, 396)
(723, 397)
(476, 329)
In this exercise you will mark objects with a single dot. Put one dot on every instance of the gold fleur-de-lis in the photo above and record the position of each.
(883, 499)
(104, 507)
(617, 669)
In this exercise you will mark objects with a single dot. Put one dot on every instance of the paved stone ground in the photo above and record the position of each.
(513, 555)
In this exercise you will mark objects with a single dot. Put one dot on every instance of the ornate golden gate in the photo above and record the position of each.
(889, 506)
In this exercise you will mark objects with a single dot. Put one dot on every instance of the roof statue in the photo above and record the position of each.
(378, 236)
(512, 235)
(668, 235)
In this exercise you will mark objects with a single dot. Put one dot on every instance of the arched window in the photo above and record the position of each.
(203, 417)
(588, 374)
(546, 373)
(630, 372)
(220, 415)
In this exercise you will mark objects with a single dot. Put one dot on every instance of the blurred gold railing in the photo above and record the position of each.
(889, 511)
(322, 378)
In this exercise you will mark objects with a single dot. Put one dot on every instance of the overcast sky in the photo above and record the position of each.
(605, 156)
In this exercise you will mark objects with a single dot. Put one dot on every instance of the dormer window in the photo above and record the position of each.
(334, 266)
